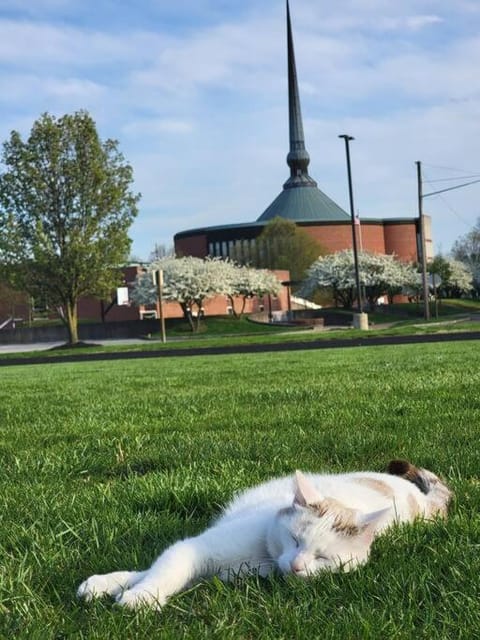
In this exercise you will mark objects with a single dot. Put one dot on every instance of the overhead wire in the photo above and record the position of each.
(474, 175)
(448, 205)
(436, 166)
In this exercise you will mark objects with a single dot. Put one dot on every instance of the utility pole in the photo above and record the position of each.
(421, 196)
(426, 292)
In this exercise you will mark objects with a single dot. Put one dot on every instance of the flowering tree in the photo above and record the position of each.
(456, 276)
(189, 281)
(467, 250)
(247, 282)
(379, 274)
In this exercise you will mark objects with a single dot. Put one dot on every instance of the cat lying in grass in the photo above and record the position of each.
(299, 526)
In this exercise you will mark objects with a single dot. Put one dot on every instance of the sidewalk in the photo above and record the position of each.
(45, 346)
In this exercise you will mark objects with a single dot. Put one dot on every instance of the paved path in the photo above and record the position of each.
(45, 346)
(247, 348)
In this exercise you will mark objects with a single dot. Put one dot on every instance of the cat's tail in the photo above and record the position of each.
(437, 492)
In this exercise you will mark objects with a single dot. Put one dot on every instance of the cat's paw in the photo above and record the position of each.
(98, 586)
(140, 599)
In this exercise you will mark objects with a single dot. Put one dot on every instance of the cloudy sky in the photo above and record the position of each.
(196, 93)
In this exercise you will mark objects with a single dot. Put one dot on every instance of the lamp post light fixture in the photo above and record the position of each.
(347, 139)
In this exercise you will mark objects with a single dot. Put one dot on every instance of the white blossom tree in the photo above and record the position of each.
(460, 279)
(466, 249)
(380, 274)
(247, 282)
(188, 281)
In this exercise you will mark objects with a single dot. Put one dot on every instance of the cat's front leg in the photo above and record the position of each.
(228, 548)
(109, 584)
(173, 570)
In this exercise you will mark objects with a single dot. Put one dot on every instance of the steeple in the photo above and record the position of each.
(300, 200)
(297, 158)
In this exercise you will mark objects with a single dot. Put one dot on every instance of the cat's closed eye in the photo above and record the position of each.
(320, 556)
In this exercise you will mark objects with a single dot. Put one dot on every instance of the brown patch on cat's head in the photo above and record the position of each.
(344, 519)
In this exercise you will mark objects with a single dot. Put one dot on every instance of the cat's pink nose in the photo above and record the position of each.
(297, 565)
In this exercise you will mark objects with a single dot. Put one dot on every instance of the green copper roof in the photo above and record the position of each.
(304, 203)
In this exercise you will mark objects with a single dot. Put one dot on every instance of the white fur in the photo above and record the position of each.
(275, 526)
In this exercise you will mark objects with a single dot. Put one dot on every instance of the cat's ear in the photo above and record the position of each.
(367, 522)
(305, 492)
(371, 518)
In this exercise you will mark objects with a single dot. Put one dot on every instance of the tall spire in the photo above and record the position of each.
(296, 202)
(297, 158)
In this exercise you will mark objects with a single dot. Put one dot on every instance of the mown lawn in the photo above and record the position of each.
(104, 464)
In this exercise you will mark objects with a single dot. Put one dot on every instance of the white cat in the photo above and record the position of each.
(299, 526)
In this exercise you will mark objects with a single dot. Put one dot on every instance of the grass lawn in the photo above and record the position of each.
(104, 464)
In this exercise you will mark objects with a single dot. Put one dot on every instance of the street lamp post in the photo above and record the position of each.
(347, 139)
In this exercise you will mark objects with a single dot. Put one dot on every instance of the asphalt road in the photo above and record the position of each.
(366, 341)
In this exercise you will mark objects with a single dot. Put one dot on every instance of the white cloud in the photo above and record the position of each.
(33, 44)
(159, 125)
(200, 108)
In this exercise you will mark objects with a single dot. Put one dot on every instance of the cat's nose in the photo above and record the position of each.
(297, 565)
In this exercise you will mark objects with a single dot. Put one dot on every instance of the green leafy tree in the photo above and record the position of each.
(65, 199)
(441, 267)
(283, 245)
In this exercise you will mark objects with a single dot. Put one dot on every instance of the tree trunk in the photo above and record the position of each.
(187, 314)
(72, 321)
(198, 322)
(232, 304)
(244, 302)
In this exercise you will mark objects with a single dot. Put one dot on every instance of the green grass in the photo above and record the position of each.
(219, 325)
(104, 464)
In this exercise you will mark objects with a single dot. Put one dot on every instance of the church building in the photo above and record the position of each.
(302, 202)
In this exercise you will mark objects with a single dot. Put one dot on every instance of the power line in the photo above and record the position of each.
(454, 211)
(436, 166)
(457, 186)
(449, 206)
(474, 175)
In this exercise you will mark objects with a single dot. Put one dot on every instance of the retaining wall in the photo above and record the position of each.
(87, 332)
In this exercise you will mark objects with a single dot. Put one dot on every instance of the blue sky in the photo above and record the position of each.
(196, 93)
